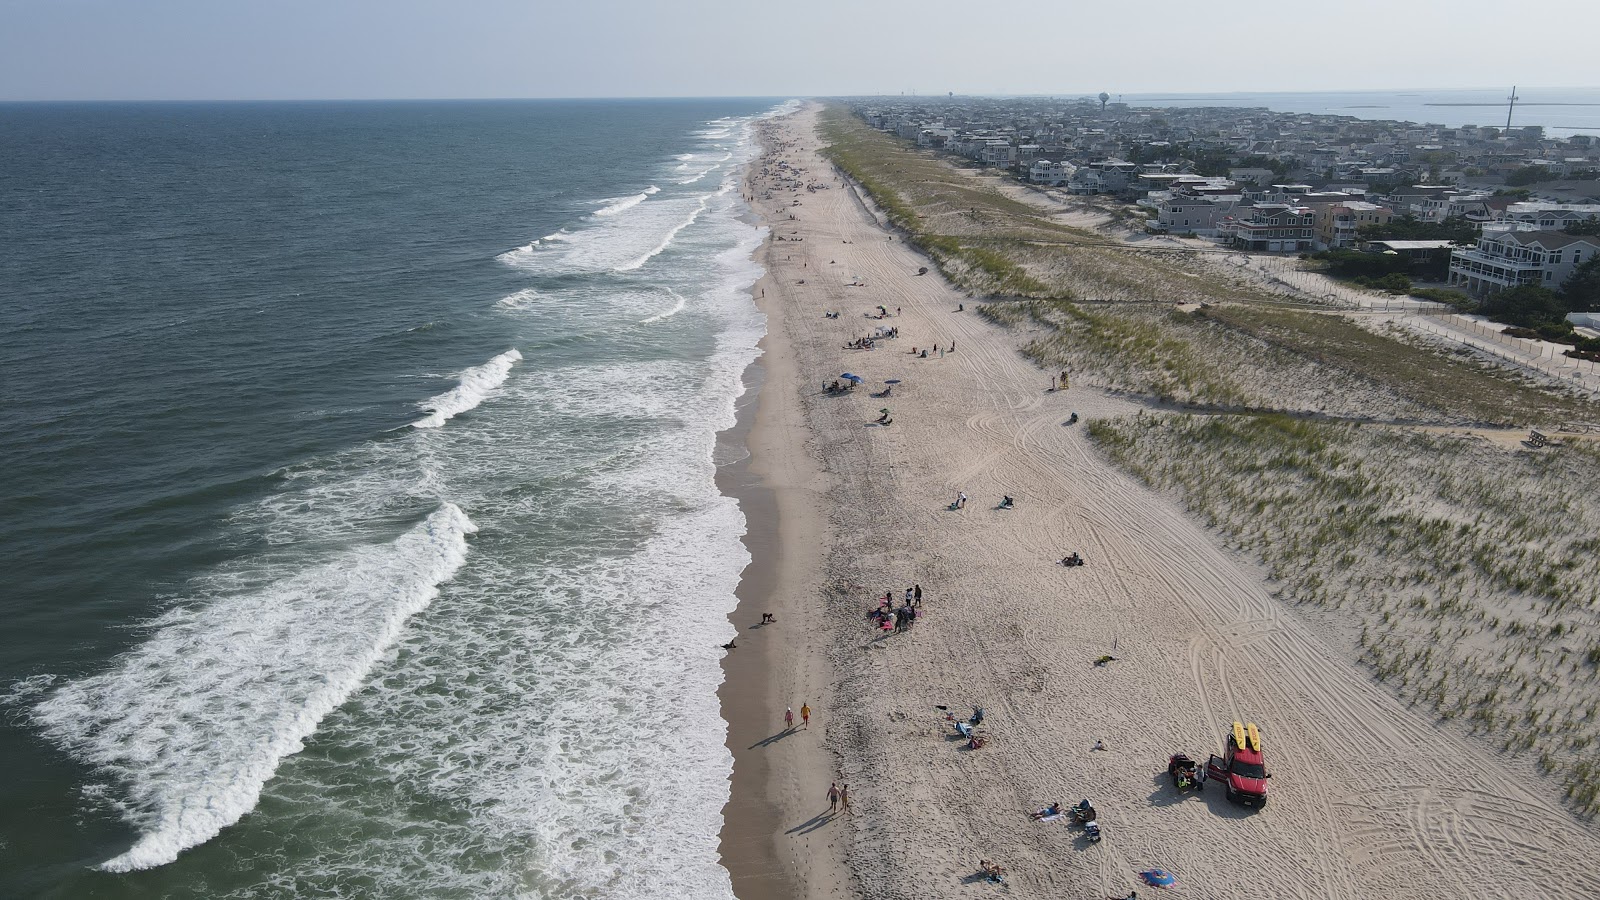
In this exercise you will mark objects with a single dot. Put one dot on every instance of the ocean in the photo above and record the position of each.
(359, 507)
(1562, 112)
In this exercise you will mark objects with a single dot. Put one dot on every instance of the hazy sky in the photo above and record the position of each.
(268, 49)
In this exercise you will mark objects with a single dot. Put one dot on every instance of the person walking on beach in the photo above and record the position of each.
(833, 796)
(805, 715)
(844, 798)
(788, 718)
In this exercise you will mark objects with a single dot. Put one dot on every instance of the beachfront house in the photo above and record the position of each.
(1338, 223)
(1185, 214)
(1043, 171)
(1273, 228)
(1505, 259)
(1108, 176)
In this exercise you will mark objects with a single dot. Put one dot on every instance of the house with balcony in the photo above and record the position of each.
(1272, 228)
(1545, 216)
(1107, 176)
(1338, 223)
(1043, 171)
(998, 152)
(1448, 204)
(1506, 259)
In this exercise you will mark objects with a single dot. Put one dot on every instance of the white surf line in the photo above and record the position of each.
(669, 313)
(195, 721)
(476, 383)
(667, 241)
(623, 204)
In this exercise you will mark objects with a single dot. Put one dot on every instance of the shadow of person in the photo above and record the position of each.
(773, 739)
(1165, 793)
(813, 823)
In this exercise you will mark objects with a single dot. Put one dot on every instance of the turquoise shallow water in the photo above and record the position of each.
(359, 511)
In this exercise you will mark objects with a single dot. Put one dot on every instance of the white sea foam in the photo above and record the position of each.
(195, 721)
(617, 205)
(561, 705)
(666, 241)
(476, 383)
(676, 308)
(523, 299)
(616, 243)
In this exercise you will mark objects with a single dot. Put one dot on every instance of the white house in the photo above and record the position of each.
(1548, 216)
(1510, 258)
(1043, 171)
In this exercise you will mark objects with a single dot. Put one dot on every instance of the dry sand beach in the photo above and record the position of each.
(1368, 797)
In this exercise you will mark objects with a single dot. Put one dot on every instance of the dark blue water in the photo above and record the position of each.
(219, 324)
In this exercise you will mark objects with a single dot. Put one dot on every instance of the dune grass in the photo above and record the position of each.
(1465, 573)
(1470, 571)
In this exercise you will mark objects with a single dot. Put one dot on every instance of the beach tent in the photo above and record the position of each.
(1160, 878)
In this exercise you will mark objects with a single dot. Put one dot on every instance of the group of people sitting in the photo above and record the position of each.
(1073, 560)
(837, 386)
(896, 619)
(861, 343)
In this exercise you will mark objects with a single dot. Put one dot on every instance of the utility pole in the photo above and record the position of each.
(1511, 106)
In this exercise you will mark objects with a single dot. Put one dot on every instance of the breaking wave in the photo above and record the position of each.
(622, 204)
(476, 383)
(194, 722)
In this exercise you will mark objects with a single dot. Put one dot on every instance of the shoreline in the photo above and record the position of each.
(775, 483)
(751, 859)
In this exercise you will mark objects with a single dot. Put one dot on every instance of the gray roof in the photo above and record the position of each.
(1552, 240)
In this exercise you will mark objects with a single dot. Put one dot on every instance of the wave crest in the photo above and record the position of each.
(196, 720)
(476, 383)
(619, 205)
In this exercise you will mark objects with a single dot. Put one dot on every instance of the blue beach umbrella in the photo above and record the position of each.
(1160, 878)
(855, 378)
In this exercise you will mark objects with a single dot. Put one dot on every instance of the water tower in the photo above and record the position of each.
(1104, 98)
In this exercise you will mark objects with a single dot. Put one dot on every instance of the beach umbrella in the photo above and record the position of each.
(892, 381)
(856, 378)
(1160, 878)
(884, 411)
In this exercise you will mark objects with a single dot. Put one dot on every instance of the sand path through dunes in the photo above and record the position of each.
(1368, 797)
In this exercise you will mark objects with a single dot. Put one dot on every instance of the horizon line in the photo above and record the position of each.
(1178, 94)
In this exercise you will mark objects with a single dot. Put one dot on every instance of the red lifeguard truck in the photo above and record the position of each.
(1242, 767)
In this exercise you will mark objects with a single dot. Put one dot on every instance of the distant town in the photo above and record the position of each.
(1493, 208)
